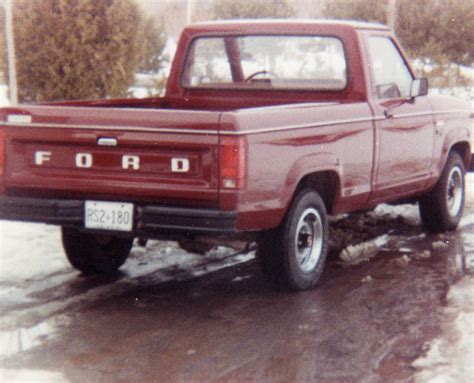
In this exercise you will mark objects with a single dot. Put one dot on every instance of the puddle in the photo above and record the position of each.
(467, 220)
(468, 240)
(448, 358)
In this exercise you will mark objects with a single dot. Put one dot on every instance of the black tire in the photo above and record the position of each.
(95, 253)
(441, 209)
(293, 255)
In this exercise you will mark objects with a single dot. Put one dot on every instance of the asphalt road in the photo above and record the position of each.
(215, 318)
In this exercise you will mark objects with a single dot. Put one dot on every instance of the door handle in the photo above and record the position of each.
(388, 113)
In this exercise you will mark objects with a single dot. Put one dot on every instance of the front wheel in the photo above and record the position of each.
(293, 255)
(95, 253)
(442, 208)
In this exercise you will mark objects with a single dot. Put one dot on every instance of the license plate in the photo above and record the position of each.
(108, 215)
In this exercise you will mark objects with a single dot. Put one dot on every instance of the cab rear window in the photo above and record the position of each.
(266, 62)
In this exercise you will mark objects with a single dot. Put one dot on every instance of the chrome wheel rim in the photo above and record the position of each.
(454, 193)
(309, 240)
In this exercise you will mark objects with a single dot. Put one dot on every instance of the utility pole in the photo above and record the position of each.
(8, 5)
(189, 11)
(392, 14)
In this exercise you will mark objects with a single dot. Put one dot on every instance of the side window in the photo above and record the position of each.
(391, 75)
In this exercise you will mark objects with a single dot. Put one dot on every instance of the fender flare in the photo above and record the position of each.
(454, 137)
(313, 163)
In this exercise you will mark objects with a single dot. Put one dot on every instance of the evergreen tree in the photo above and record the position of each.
(439, 33)
(80, 49)
(455, 29)
(426, 28)
(361, 10)
(248, 9)
(153, 40)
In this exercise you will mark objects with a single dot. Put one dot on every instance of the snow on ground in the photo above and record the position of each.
(25, 241)
(3, 95)
(409, 213)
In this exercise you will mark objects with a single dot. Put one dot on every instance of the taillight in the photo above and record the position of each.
(232, 162)
(2, 152)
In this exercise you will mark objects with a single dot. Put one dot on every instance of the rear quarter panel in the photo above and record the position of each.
(286, 143)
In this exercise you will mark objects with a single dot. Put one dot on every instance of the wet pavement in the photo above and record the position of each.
(215, 319)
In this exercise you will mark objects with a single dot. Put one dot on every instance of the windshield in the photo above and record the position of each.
(263, 62)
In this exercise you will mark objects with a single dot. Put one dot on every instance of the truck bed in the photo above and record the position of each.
(75, 165)
(200, 103)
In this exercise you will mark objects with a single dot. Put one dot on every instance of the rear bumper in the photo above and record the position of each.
(149, 220)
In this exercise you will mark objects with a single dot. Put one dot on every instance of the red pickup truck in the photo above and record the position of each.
(266, 127)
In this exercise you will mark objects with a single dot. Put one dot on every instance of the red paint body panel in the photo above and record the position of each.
(68, 131)
(306, 143)
(376, 150)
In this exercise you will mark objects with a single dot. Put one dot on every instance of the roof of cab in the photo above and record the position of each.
(282, 25)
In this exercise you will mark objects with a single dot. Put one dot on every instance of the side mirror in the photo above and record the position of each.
(419, 87)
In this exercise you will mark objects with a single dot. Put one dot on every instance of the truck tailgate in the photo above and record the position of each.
(163, 156)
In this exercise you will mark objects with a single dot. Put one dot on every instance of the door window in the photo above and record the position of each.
(391, 75)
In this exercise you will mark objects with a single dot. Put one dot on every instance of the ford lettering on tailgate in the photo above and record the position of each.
(126, 162)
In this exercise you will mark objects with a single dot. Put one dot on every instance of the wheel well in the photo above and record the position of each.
(464, 150)
(326, 183)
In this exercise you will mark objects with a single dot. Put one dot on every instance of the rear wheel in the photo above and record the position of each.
(95, 253)
(442, 208)
(293, 255)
